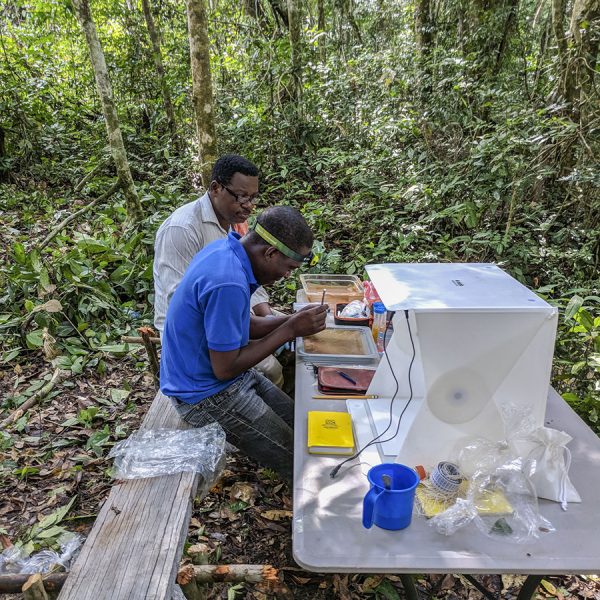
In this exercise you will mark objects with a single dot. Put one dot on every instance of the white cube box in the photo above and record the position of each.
(483, 350)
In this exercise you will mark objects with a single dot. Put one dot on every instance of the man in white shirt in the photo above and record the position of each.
(230, 199)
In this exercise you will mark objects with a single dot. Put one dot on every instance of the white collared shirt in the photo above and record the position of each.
(181, 236)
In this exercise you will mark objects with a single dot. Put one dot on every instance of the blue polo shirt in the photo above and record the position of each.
(210, 309)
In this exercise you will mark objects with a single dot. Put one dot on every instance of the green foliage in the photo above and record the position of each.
(46, 532)
(462, 151)
(102, 277)
(577, 361)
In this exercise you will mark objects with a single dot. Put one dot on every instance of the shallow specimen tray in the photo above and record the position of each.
(339, 288)
(345, 344)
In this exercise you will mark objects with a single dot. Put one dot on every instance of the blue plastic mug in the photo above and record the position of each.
(389, 502)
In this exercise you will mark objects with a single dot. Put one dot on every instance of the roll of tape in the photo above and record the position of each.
(446, 477)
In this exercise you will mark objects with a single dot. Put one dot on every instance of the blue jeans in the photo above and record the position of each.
(258, 418)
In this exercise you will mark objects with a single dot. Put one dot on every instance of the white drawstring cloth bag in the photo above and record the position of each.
(547, 465)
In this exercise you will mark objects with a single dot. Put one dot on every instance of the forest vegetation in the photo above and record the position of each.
(405, 131)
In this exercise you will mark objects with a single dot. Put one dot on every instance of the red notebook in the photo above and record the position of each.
(331, 381)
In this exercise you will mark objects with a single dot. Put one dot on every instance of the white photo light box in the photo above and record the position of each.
(483, 342)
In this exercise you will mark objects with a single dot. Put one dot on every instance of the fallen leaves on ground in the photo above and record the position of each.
(245, 518)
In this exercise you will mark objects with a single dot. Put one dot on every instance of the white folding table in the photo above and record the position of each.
(328, 535)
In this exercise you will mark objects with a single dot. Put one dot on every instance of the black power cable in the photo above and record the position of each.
(336, 469)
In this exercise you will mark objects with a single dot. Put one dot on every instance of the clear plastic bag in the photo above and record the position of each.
(480, 455)
(523, 522)
(156, 452)
(14, 560)
(47, 560)
(11, 560)
(501, 502)
(461, 513)
(356, 308)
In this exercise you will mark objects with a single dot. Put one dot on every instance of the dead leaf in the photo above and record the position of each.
(340, 585)
(227, 513)
(244, 492)
(277, 515)
(199, 553)
(512, 582)
(548, 587)
(52, 306)
(371, 583)
(447, 582)
(46, 289)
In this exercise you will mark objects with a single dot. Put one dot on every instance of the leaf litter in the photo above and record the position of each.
(55, 478)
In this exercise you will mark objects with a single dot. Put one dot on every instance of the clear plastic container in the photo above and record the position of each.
(379, 324)
(338, 288)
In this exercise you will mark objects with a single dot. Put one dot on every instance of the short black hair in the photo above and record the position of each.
(230, 164)
(288, 225)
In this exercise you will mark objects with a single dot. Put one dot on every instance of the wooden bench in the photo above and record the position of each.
(134, 548)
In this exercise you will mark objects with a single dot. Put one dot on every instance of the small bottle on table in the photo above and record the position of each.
(379, 325)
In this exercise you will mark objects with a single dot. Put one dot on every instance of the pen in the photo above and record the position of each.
(346, 377)
(345, 397)
(323, 296)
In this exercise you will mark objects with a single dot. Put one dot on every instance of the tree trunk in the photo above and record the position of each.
(295, 45)
(157, 56)
(578, 57)
(280, 12)
(202, 94)
(424, 36)
(565, 85)
(321, 27)
(321, 15)
(115, 139)
(350, 16)
(3, 170)
(541, 55)
(585, 35)
(509, 25)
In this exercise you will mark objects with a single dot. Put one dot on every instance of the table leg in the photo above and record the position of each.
(486, 594)
(529, 587)
(408, 583)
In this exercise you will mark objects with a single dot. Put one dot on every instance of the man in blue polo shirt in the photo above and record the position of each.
(211, 341)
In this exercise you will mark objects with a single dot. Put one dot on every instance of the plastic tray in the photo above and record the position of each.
(340, 288)
(369, 350)
(355, 321)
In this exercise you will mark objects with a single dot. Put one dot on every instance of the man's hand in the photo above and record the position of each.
(309, 320)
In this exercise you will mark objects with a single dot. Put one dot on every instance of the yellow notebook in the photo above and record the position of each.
(330, 433)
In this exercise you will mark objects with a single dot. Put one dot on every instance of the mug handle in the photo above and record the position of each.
(369, 502)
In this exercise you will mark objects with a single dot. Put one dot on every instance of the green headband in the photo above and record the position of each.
(270, 239)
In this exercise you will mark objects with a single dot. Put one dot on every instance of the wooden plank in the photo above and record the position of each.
(134, 548)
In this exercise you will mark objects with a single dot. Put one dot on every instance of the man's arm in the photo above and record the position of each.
(262, 326)
(227, 365)
(262, 309)
(259, 303)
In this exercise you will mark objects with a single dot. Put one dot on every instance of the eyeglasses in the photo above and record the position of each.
(311, 260)
(239, 198)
